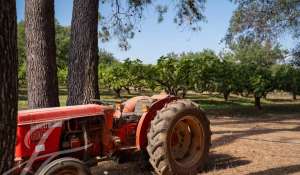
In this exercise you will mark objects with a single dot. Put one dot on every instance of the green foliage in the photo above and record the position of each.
(176, 74)
(171, 74)
(22, 74)
(106, 57)
(260, 81)
(118, 76)
(135, 75)
(62, 75)
(265, 19)
(287, 78)
(21, 53)
(111, 76)
(62, 41)
(62, 49)
(296, 56)
(204, 70)
(21, 43)
(245, 70)
(255, 59)
(243, 74)
(251, 67)
(226, 75)
(250, 51)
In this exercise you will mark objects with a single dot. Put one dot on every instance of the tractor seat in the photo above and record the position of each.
(141, 105)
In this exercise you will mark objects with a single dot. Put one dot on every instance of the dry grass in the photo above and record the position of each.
(249, 146)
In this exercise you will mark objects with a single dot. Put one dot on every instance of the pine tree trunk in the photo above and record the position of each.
(83, 62)
(8, 83)
(41, 54)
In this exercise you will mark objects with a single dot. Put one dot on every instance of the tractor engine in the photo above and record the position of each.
(84, 131)
(126, 119)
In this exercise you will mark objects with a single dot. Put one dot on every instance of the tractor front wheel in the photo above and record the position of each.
(65, 166)
(179, 139)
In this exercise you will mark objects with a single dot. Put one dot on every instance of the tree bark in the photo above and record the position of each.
(257, 102)
(128, 90)
(83, 62)
(8, 83)
(226, 95)
(118, 93)
(294, 96)
(41, 54)
(184, 92)
(265, 96)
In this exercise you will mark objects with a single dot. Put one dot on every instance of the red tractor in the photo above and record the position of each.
(174, 132)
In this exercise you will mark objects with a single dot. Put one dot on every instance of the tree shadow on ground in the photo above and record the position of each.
(281, 100)
(135, 166)
(223, 161)
(270, 120)
(235, 135)
(250, 112)
(129, 168)
(279, 170)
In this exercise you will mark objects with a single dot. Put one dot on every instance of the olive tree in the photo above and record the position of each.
(113, 77)
(287, 78)
(260, 83)
(255, 59)
(226, 76)
(203, 70)
(171, 74)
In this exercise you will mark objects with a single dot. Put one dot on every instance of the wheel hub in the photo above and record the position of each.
(186, 140)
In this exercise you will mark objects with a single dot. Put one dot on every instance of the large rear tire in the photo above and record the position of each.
(179, 139)
(65, 166)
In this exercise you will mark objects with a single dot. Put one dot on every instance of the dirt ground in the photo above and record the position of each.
(268, 146)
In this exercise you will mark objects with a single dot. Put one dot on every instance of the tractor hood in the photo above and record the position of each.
(60, 113)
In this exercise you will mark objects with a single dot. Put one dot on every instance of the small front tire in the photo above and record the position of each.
(65, 166)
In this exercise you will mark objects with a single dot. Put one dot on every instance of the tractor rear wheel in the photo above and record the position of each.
(179, 139)
(65, 166)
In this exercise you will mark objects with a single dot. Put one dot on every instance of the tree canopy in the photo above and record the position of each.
(121, 18)
(265, 19)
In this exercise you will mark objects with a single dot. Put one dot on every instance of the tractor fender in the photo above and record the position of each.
(144, 122)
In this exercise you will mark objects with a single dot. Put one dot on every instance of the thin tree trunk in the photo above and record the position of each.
(128, 90)
(265, 96)
(8, 83)
(118, 93)
(226, 95)
(257, 103)
(294, 96)
(184, 92)
(83, 62)
(41, 54)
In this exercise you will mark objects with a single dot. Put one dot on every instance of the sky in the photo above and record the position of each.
(157, 39)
